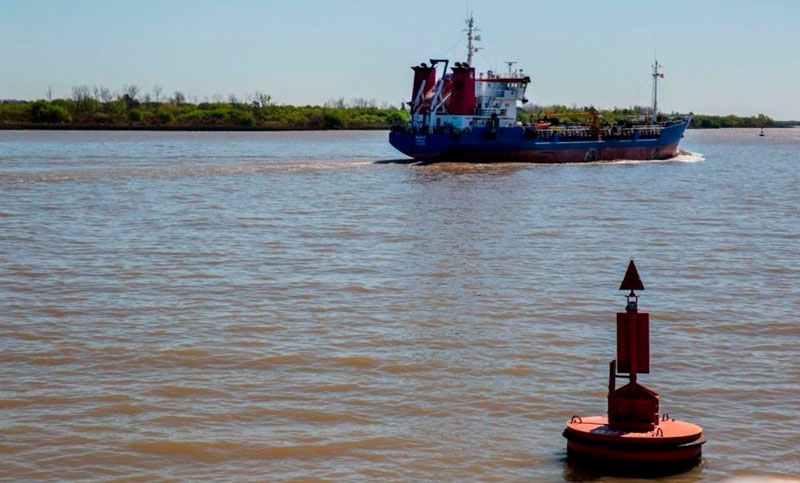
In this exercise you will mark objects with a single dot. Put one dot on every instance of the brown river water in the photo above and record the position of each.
(277, 306)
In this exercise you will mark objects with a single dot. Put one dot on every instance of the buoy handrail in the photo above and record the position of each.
(574, 418)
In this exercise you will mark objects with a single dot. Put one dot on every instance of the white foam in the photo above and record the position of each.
(686, 156)
(683, 157)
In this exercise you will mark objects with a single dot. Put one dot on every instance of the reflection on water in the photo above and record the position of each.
(579, 470)
(251, 306)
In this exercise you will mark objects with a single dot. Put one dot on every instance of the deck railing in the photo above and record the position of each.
(580, 133)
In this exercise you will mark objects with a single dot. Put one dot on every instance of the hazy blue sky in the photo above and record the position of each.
(719, 56)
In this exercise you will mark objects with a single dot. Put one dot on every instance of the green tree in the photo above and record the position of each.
(43, 111)
(135, 115)
(333, 120)
(164, 116)
(247, 120)
(396, 118)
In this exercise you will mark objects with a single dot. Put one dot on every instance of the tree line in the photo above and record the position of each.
(130, 107)
(701, 121)
(531, 112)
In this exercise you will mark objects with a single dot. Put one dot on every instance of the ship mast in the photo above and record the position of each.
(510, 64)
(656, 74)
(470, 30)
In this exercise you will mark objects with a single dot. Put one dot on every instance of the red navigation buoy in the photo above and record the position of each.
(633, 432)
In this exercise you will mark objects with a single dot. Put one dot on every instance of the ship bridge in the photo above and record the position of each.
(497, 96)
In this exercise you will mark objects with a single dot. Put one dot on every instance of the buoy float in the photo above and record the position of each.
(633, 432)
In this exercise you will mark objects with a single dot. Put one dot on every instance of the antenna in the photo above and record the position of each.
(510, 64)
(470, 30)
(656, 74)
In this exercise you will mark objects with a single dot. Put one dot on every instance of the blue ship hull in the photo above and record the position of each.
(513, 144)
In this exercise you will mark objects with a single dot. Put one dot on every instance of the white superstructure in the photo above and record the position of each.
(461, 100)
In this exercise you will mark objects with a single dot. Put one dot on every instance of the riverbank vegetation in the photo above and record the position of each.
(130, 108)
(699, 121)
(99, 108)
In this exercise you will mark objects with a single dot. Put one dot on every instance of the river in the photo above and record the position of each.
(269, 306)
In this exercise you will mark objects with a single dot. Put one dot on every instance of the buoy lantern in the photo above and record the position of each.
(633, 431)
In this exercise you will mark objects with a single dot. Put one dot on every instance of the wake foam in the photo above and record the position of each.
(16, 177)
(683, 156)
(686, 156)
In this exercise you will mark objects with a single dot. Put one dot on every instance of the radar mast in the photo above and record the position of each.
(470, 30)
(656, 74)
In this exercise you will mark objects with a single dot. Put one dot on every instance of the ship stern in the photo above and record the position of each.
(420, 145)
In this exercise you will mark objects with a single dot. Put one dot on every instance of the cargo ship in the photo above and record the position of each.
(456, 115)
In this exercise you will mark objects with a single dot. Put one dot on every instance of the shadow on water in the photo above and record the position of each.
(422, 162)
(579, 469)
(403, 161)
(684, 156)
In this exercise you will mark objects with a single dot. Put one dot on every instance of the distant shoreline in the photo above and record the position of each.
(105, 127)
(130, 112)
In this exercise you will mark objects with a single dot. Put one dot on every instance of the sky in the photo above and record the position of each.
(719, 56)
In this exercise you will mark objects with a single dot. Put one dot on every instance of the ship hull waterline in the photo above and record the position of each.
(511, 145)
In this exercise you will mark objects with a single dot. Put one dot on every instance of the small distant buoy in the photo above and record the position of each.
(762, 132)
(633, 433)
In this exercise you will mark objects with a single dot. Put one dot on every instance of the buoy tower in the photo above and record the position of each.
(633, 432)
